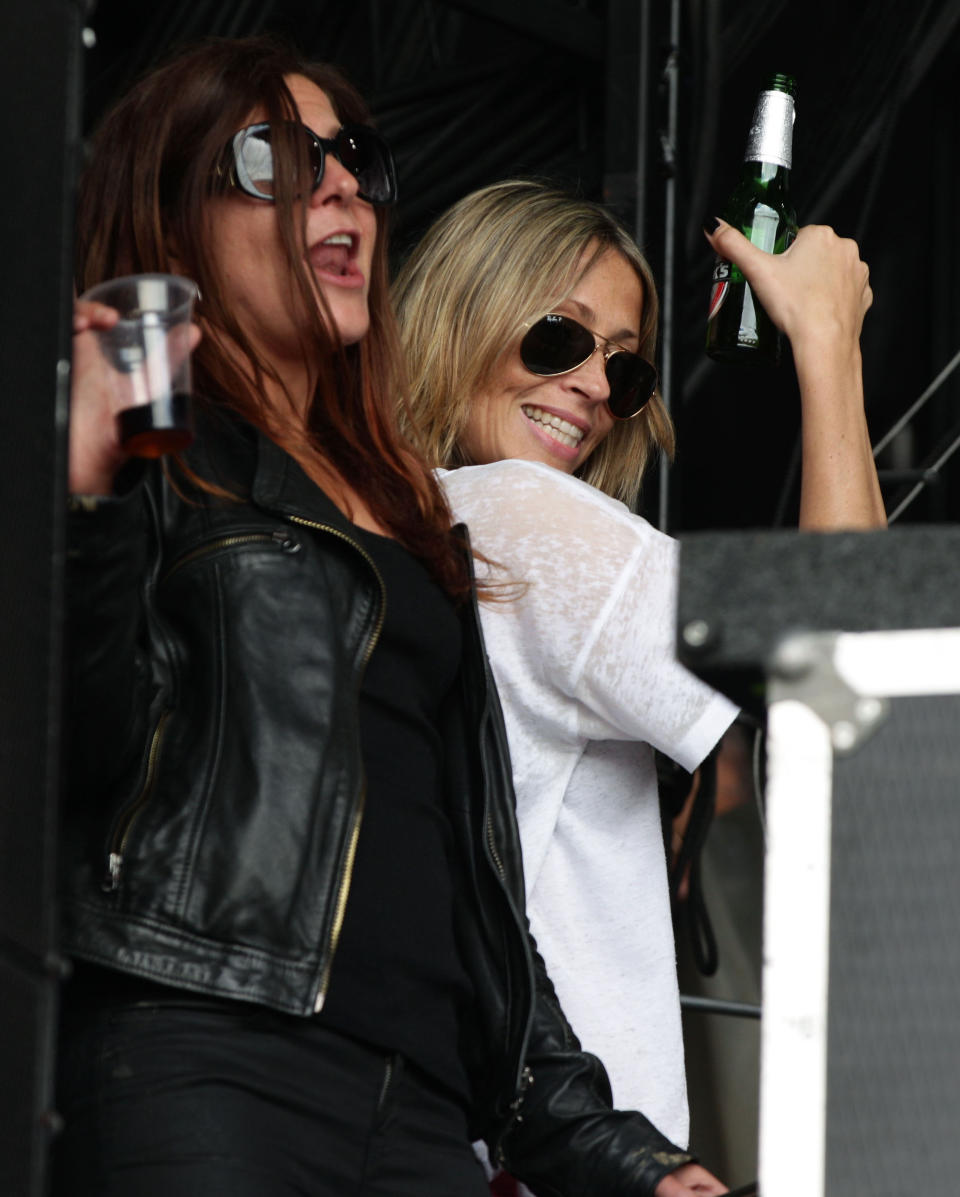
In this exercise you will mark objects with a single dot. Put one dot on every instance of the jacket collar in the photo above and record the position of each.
(281, 486)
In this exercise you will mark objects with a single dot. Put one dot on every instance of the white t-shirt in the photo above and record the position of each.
(585, 664)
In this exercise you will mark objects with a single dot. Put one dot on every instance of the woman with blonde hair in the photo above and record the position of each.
(465, 273)
(530, 322)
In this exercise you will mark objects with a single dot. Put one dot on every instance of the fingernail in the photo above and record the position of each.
(711, 224)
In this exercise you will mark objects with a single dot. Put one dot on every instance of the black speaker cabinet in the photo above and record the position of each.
(860, 1056)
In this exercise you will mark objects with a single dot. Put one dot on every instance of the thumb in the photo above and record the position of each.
(731, 244)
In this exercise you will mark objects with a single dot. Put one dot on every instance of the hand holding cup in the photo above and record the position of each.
(131, 385)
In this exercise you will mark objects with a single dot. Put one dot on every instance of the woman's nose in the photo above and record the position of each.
(591, 377)
(337, 182)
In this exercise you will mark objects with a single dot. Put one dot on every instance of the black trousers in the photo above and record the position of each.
(195, 1098)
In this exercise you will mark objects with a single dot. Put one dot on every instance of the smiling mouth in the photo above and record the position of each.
(555, 426)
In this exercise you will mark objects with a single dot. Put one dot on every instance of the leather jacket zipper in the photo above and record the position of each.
(340, 907)
(492, 845)
(375, 634)
(121, 834)
(280, 537)
(343, 890)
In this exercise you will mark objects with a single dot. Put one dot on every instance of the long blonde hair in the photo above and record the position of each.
(499, 258)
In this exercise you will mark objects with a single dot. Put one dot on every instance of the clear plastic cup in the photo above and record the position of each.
(148, 352)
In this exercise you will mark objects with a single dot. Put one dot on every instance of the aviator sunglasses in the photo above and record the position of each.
(558, 344)
(358, 148)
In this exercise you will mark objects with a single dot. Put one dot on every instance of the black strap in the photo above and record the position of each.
(691, 916)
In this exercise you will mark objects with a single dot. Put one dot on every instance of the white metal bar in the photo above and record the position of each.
(796, 952)
(900, 664)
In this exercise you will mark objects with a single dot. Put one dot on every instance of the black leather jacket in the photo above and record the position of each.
(215, 789)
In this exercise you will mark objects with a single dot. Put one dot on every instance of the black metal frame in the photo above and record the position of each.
(40, 56)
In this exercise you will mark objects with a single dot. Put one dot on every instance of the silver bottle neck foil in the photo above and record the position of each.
(771, 133)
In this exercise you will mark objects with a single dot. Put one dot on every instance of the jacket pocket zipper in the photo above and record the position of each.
(121, 834)
(280, 537)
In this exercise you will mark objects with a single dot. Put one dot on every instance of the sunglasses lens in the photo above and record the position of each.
(253, 153)
(632, 381)
(253, 156)
(367, 157)
(554, 345)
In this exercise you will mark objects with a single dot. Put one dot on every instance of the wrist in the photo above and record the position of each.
(828, 368)
(96, 477)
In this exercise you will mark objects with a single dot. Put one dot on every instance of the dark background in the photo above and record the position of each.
(469, 92)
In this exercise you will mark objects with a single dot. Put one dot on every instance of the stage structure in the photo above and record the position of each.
(640, 103)
(852, 644)
(40, 53)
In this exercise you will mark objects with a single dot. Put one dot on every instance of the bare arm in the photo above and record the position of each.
(818, 293)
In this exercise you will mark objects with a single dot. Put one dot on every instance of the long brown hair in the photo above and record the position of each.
(144, 205)
(497, 260)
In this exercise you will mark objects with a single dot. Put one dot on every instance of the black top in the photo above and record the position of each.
(397, 979)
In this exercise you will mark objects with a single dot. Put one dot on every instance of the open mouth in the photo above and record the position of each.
(557, 427)
(336, 256)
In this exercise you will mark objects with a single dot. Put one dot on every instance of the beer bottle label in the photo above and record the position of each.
(763, 229)
(721, 275)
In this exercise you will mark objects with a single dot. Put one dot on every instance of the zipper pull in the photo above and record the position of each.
(526, 1080)
(287, 541)
(111, 883)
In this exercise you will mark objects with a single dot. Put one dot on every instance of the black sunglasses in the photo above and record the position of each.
(558, 344)
(358, 148)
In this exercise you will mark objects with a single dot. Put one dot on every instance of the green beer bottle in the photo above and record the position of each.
(738, 329)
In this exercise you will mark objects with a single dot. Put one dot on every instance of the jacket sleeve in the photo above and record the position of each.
(565, 1139)
(107, 690)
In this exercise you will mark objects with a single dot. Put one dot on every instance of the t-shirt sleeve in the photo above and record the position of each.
(593, 612)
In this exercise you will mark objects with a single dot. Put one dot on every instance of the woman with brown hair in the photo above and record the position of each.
(291, 876)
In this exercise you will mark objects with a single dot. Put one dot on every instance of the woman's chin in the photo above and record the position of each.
(351, 316)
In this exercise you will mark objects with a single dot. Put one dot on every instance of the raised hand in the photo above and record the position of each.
(819, 287)
(817, 292)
